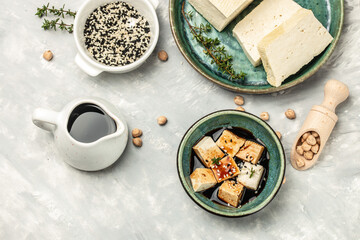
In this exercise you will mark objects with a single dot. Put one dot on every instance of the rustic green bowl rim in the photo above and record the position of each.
(188, 189)
(325, 56)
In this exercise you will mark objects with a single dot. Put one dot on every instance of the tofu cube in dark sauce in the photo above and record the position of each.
(240, 179)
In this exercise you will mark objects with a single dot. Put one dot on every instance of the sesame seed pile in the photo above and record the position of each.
(116, 34)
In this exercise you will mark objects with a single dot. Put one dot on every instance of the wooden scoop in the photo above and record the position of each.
(321, 120)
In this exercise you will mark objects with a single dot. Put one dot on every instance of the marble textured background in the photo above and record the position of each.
(140, 197)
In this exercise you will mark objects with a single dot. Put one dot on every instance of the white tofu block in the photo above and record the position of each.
(267, 16)
(230, 142)
(292, 45)
(250, 175)
(219, 13)
(202, 179)
(231, 192)
(206, 149)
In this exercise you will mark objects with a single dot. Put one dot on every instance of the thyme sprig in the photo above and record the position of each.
(56, 23)
(212, 47)
(61, 12)
(216, 161)
(252, 172)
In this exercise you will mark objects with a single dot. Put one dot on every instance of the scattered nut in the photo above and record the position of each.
(48, 55)
(308, 155)
(311, 140)
(284, 180)
(290, 114)
(240, 109)
(163, 56)
(315, 148)
(264, 116)
(162, 120)
(137, 142)
(278, 134)
(136, 132)
(239, 100)
(315, 134)
(300, 162)
(300, 150)
(306, 146)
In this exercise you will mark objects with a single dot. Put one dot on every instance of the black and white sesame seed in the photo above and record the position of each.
(116, 34)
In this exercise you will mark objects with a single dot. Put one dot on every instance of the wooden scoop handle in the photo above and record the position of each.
(335, 92)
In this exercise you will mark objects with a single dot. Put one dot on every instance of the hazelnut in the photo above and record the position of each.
(264, 116)
(302, 140)
(300, 150)
(306, 146)
(240, 109)
(311, 140)
(278, 134)
(239, 100)
(308, 155)
(163, 56)
(137, 142)
(315, 134)
(48, 55)
(318, 140)
(300, 162)
(136, 132)
(315, 148)
(290, 114)
(162, 120)
(284, 180)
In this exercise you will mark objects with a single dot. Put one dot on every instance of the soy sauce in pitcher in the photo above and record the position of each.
(88, 123)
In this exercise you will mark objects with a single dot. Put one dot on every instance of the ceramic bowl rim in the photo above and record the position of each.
(256, 91)
(189, 190)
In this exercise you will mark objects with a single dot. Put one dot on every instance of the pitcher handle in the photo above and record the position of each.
(45, 119)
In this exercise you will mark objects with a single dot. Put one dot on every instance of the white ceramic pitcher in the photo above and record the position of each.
(91, 156)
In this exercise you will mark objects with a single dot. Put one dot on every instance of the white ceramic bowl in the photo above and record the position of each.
(83, 58)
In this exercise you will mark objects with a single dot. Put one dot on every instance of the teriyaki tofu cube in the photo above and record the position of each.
(202, 179)
(230, 143)
(250, 152)
(225, 168)
(206, 149)
(231, 192)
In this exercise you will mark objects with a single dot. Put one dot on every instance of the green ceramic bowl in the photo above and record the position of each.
(260, 130)
(329, 12)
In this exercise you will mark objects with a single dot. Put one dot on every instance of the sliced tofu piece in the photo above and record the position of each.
(231, 192)
(219, 13)
(226, 169)
(202, 179)
(207, 150)
(250, 152)
(267, 16)
(230, 143)
(292, 45)
(250, 175)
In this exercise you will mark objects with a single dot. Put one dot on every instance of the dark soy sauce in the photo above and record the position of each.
(248, 194)
(88, 123)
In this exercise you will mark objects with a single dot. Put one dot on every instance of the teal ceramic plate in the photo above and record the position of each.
(329, 12)
(261, 131)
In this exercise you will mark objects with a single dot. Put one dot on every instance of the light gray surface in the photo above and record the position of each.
(140, 197)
